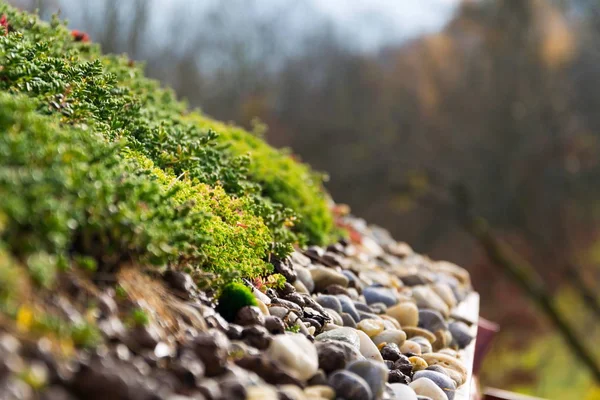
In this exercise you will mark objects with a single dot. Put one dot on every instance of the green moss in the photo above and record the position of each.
(234, 296)
(110, 95)
(138, 317)
(85, 335)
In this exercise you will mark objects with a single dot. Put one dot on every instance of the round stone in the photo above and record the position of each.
(350, 386)
(371, 327)
(319, 392)
(348, 320)
(305, 277)
(431, 320)
(396, 376)
(424, 343)
(394, 336)
(425, 297)
(441, 380)
(403, 392)
(418, 363)
(295, 354)
(390, 352)
(407, 314)
(368, 348)
(335, 355)
(373, 372)
(460, 334)
(274, 325)
(335, 317)
(348, 307)
(249, 315)
(410, 347)
(324, 277)
(404, 365)
(449, 363)
(329, 301)
(344, 334)
(426, 387)
(380, 295)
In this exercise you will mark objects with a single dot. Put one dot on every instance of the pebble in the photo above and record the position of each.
(449, 363)
(348, 307)
(329, 301)
(368, 348)
(257, 336)
(396, 376)
(447, 385)
(432, 320)
(418, 363)
(414, 280)
(348, 320)
(424, 343)
(335, 355)
(378, 308)
(445, 292)
(212, 348)
(390, 352)
(261, 392)
(362, 307)
(403, 392)
(410, 347)
(285, 267)
(380, 295)
(274, 325)
(426, 387)
(295, 354)
(335, 317)
(394, 336)
(371, 327)
(407, 314)
(305, 277)
(249, 315)
(460, 334)
(350, 386)
(373, 372)
(425, 297)
(336, 289)
(299, 259)
(291, 392)
(353, 280)
(412, 331)
(324, 277)
(319, 392)
(300, 287)
(365, 315)
(404, 365)
(344, 334)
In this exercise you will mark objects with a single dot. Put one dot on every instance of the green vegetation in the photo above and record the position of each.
(233, 297)
(109, 95)
(100, 166)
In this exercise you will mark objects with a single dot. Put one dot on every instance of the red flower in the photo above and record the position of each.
(4, 23)
(79, 36)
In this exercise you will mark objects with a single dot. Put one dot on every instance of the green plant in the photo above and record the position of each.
(139, 317)
(293, 328)
(85, 335)
(110, 95)
(234, 296)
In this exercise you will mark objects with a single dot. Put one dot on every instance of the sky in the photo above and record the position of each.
(365, 24)
(404, 19)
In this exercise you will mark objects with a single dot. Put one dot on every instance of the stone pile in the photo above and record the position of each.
(365, 318)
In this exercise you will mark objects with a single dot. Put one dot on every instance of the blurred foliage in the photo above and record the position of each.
(544, 367)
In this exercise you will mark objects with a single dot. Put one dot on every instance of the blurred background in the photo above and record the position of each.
(399, 99)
